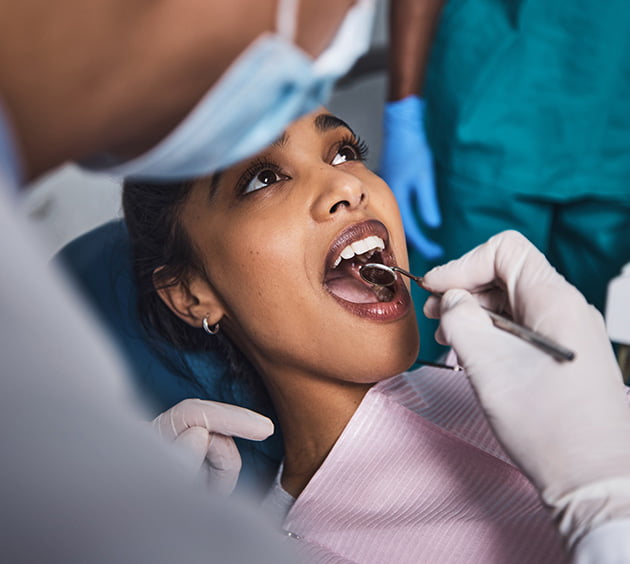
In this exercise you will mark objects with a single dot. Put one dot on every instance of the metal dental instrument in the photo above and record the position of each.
(454, 367)
(382, 275)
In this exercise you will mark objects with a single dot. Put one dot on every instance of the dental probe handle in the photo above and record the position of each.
(540, 341)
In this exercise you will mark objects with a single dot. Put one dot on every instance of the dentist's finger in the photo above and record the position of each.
(215, 417)
(494, 299)
(507, 258)
(468, 329)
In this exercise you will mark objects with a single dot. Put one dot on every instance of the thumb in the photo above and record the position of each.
(426, 195)
(465, 326)
(193, 444)
(224, 464)
(427, 248)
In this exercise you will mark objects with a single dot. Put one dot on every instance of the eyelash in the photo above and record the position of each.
(256, 167)
(359, 147)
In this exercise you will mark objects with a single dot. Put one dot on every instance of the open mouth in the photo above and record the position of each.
(344, 280)
(354, 247)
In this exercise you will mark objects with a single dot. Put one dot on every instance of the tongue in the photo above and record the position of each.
(352, 290)
(346, 283)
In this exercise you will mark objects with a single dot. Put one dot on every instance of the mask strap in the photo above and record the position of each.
(286, 18)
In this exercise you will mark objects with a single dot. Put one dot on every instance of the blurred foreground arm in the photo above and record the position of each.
(83, 479)
(566, 424)
(406, 161)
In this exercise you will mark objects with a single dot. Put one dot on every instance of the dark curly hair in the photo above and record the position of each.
(158, 240)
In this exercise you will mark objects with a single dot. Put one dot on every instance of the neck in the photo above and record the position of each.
(309, 430)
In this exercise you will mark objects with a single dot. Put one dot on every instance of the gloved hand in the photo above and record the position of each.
(406, 164)
(565, 424)
(204, 430)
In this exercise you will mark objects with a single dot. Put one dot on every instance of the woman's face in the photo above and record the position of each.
(281, 236)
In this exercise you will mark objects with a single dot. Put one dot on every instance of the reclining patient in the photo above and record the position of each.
(381, 465)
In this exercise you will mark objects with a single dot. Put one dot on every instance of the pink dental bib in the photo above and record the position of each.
(417, 476)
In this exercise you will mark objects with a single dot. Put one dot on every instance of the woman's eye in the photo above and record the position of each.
(263, 179)
(344, 154)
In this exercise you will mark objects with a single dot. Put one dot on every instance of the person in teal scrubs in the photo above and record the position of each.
(525, 110)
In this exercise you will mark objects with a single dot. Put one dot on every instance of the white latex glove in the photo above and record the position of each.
(204, 430)
(565, 424)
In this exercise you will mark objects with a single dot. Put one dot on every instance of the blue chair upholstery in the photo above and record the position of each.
(100, 263)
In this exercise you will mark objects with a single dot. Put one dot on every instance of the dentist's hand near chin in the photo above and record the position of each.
(406, 164)
(565, 424)
(203, 431)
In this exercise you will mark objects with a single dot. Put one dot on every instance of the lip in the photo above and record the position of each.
(378, 311)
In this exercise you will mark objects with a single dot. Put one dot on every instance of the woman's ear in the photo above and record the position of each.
(191, 300)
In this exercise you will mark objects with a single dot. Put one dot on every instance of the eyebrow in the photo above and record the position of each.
(281, 141)
(326, 122)
(323, 123)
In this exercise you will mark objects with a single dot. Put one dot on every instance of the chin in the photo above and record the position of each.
(395, 356)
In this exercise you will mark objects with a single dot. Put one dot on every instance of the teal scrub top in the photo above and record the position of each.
(533, 96)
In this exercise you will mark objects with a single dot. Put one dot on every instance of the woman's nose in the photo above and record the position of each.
(338, 191)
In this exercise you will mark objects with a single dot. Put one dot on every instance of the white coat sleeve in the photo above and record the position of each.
(83, 478)
(607, 544)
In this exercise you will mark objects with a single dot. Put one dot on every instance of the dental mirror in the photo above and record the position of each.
(383, 275)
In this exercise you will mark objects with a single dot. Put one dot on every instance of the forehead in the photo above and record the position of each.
(320, 122)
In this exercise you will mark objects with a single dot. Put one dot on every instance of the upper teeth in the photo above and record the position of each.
(371, 243)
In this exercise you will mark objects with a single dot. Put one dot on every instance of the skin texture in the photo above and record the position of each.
(119, 75)
(412, 25)
(264, 256)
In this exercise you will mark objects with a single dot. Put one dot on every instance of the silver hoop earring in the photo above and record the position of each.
(210, 330)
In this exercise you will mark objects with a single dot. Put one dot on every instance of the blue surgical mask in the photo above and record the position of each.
(272, 83)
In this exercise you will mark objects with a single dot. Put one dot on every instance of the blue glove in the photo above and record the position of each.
(407, 166)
